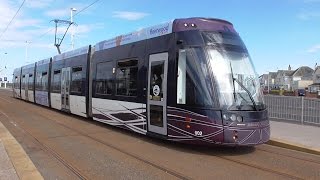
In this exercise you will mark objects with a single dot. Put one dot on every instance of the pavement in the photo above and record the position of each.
(14, 162)
(295, 136)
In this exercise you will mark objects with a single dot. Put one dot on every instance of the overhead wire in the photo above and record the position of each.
(12, 19)
(83, 9)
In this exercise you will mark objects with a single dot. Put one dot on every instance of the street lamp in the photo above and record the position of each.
(72, 29)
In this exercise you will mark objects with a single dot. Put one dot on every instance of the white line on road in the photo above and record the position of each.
(4, 114)
(5, 100)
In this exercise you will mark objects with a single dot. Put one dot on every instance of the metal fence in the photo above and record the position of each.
(294, 109)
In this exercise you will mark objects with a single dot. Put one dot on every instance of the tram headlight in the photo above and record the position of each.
(225, 117)
(232, 117)
(239, 119)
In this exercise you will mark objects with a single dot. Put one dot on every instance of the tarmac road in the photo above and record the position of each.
(64, 146)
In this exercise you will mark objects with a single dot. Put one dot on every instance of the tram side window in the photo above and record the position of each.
(44, 81)
(104, 78)
(56, 84)
(194, 86)
(38, 81)
(76, 83)
(23, 82)
(30, 82)
(17, 82)
(126, 78)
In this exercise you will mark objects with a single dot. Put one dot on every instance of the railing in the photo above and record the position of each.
(293, 109)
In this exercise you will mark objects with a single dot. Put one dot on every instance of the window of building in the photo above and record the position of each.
(76, 83)
(30, 82)
(56, 83)
(104, 78)
(126, 78)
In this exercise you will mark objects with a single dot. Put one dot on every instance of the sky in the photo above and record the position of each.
(276, 32)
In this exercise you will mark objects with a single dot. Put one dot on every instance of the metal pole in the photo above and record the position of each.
(72, 29)
(268, 84)
(302, 100)
(26, 58)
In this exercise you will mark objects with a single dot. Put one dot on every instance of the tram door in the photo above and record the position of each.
(157, 93)
(65, 88)
(26, 80)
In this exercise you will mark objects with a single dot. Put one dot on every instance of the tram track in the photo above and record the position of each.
(172, 172)
(162, 168)
(293, 157)
(260, 168)
(77, 172)
(50, 151)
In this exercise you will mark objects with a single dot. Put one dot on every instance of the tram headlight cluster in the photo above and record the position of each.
(190, 25)
(232, 117)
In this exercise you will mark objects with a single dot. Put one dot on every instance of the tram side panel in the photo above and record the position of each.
(69, 91)
(55, 91)
(42, 82)
(16, 83)
(79, 82)
(118, 86)
(23, 86)
(27, 82)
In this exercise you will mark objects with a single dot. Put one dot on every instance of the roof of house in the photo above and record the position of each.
(303, 71)
(273, 75)
(285, 72)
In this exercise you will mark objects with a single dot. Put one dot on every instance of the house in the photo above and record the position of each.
(302, 77)
(268, 80)
(315, 86)
(284, 78)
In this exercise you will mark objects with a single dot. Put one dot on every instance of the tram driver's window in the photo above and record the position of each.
(181, 80)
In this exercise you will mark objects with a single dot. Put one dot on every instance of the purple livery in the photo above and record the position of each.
(189, 80)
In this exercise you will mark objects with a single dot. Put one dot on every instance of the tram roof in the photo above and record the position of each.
(73, 53)
(32, 65)
(177, 25)
(44, 61)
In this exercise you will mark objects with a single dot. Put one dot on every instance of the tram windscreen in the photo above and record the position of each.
(235, 77)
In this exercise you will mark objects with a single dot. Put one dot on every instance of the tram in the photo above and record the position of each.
(188, 80)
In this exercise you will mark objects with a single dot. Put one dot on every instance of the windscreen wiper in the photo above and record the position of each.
(247, 91)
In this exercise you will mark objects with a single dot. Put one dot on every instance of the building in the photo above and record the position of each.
(302, 77)
(284, 79)
(315, 86)
(268, 80)
(291, 80)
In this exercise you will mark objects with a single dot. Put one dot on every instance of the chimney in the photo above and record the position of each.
(289, 68)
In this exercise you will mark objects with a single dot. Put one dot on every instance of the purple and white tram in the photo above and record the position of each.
(189, 80)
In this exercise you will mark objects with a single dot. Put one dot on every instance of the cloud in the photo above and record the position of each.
(314, 49)
(129, 15)
(308, 15)
(38, 3)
